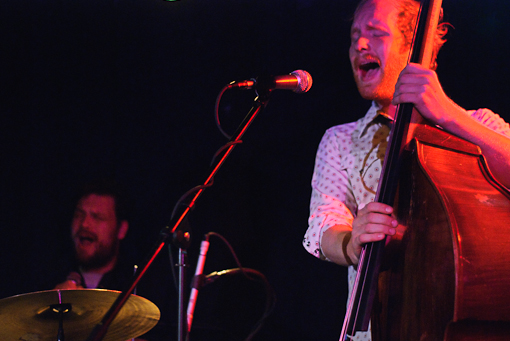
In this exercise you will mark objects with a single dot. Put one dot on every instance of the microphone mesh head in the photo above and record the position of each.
(304, 80)
(75, 277)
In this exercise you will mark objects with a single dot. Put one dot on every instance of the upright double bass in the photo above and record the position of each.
(446, 274)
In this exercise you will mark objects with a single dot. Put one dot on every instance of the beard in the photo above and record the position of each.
(103, 255)
(381, 86)
(383, 91)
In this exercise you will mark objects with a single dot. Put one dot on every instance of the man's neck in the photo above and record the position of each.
(101, 269)
(388, 110)
(91, 280)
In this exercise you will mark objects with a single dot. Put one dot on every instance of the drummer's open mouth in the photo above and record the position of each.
(86, 239)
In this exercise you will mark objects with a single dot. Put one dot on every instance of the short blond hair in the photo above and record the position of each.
(408, 13)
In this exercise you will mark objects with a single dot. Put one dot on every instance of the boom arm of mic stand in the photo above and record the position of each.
(180, 238)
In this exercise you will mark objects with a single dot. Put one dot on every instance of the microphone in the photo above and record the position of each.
(298, 81)
(197, 281)
(75, 277)
(73, 281)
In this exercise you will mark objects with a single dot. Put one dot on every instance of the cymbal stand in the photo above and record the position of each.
(60, 309)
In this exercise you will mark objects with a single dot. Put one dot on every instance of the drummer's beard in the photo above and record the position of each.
(103, 255)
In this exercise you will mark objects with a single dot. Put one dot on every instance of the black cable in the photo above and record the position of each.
(270, 293)
(217, 115)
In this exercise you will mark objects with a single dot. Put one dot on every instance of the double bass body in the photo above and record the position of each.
(450, 271)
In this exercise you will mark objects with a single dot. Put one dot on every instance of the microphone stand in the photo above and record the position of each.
(181, 238)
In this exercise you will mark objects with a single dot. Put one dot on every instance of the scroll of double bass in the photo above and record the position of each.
(444, 270)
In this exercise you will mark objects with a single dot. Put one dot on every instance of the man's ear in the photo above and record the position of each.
(123, 229)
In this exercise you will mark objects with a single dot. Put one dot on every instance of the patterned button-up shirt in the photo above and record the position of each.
(347, 170)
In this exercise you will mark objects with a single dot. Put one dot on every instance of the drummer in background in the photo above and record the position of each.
(99, 224)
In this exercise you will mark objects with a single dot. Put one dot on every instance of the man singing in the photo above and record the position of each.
(343, 214)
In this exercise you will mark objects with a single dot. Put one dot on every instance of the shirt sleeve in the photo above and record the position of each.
(491, 120)
(332, 202)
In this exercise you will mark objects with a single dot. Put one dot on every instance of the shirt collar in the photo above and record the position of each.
(366, 121)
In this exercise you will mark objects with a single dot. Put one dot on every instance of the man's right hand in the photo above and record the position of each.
(342, 244)
(373, 223)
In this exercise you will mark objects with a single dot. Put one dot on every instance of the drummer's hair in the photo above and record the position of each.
(111, 188)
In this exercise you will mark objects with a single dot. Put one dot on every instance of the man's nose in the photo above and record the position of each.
(362, 43)
(85, 221)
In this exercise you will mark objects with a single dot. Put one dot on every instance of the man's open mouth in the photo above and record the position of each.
(367, 69)
(85, 238)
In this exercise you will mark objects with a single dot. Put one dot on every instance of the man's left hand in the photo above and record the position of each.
(420, 86)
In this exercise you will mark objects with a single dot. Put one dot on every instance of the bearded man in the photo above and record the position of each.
(99, 224)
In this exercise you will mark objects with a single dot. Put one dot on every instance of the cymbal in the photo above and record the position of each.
(35, 317)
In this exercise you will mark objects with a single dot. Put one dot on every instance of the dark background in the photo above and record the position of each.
(126, 89)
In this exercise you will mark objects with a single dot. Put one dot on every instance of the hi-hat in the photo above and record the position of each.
(35, 316)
